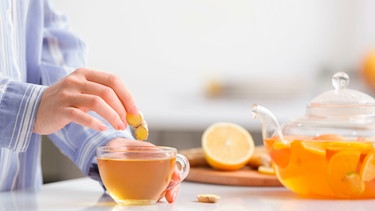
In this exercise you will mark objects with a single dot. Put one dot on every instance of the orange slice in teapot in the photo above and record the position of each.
(343, 176)
(334, 147)
(368, 167)
(279, 152)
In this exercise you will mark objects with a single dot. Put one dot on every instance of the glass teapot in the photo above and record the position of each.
(328, 152)
(340, 111)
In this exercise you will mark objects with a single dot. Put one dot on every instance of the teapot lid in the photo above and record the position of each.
(342, 101)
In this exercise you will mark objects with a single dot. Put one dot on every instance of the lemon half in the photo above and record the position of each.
(227, 146)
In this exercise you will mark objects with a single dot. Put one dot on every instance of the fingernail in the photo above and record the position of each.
(120, 125)
(134, 109)
(102, 127)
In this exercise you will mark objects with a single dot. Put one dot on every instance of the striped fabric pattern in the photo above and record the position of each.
(37, 49)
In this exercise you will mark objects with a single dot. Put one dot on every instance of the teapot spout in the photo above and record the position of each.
(270, 126)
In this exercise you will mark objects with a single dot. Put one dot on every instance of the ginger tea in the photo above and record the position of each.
(136, 181)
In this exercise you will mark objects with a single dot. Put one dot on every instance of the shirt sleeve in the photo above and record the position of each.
(63, 52)
(80, 143)
(18, 106)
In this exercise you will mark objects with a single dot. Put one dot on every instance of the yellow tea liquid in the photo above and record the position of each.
(326, 166)
(136, 181)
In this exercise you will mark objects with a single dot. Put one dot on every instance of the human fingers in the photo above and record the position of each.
(63, 102)
(117, 85)
(57, 109)
(175, 179)
(86, 102)
(171, 194)
(173, 187)
(80, 117)
(108, 95)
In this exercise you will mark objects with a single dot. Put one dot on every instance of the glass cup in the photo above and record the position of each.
(140, 175)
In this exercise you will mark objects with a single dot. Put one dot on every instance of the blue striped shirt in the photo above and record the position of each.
(37, 49)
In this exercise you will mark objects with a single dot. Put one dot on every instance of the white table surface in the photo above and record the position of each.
(85, 194)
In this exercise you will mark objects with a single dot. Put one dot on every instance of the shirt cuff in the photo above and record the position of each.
(94, 173)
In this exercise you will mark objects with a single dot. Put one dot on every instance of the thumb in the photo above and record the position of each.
(171, 194)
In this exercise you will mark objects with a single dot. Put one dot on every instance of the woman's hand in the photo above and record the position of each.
(171, 194)
(69, 100)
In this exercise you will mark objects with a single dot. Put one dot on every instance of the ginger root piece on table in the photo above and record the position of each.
(196, 157)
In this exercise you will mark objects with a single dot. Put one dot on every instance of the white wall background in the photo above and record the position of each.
(165, 50)
(173, 45)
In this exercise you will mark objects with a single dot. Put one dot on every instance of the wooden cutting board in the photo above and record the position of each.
(242, 177)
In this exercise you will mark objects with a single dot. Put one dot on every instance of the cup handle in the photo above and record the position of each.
(183, 165)
(183, 168)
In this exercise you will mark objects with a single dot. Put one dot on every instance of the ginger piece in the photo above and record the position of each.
(195, 156)
(259, 158)
(208, 198)
(141, 131)
(134, 120)
(139, 125)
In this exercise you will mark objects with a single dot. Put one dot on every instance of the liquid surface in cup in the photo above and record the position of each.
(329, 166)
(135, 181)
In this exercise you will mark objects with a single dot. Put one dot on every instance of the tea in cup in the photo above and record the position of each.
(139, 175)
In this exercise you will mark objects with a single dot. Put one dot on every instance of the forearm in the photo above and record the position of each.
(79, 143)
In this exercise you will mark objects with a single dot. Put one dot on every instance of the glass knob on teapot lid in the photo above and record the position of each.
(342, 101)
(340, 80)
